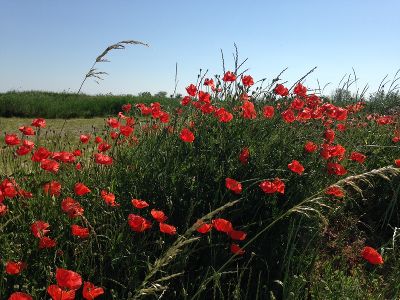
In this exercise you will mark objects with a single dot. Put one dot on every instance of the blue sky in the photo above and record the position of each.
(50, 45)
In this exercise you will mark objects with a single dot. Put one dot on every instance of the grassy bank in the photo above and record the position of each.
(35, 104)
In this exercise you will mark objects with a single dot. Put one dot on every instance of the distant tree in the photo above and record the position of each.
(161, 94)
(341, 95)
(145, 94)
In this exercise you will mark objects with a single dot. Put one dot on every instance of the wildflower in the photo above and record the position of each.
(80, 189)
(371, 255)
(14, 268)
(222, 225)
(268, 111)
(139, 203)
(247, 80)
(335, 191)
(71, 207)
(397, 163)
(204, 228)
(186, 135)
(103, 159)
(296, 166)
(281, 90)
(109, 198)
(49, 165)
(56, 293)
(336, 169)
(235, 249)
(248, 110)
(237, 235)
(46, 242)
(20, 296)
(11, 139)
(233, 185)
(52, 188)
(158, 215)
(191, 90)
(39, 123)
(229, 77)
(84, 138)
(310, 147)
(138, 223)
(168, 229)
(68, 279)
(90, 291)
(40, 228)
(79, 231)
(358, 157)
(244, 156)
(185, 101)
(288, 116)
(300, 90)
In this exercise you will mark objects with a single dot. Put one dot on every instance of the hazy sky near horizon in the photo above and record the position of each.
(50, 45)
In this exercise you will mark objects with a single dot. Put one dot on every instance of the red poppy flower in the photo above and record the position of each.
(109, 198)
(268, 111)
(281, 90)
(56, 293)
(40, 228)
(46, 242)
(80, 189)
(244, 156)
(90, 291)
(20, 296)
(40, 154)
(26, 130)
(209, 82)
(397, 163)
(158, 215)
(127, 107)
(3, 208)
(185, 101)
(52, 188)
(168, 229)
(329, 135)
(204, 228)
(297, 104)
(71, 207)
(300, 90)
(11, 139)
(23, 150)
(49, 165)
(247, 80)
(191, 90)
(288, 116)
(68, 279)
(186, 135)
(139, 203)
(358, 157)
(233, 185)
(336, 169)
(138, 223)
(103, 147)
(341, 127)
(84, 138)
(372, 256)
(14, 268)
(222, 225)
(229, 77)
(40, 123)
(126, 130)
(248, 110)
(310, 147)
(335, 191)
(103, 159)
(79, 231)
(267, 187)
(296, 166)
(237, 235)
(235, 249)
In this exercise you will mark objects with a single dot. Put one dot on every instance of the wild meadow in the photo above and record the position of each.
(237, 190)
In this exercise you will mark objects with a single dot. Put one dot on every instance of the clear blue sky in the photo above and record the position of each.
(50, 45)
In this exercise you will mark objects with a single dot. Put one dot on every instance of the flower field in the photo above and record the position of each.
(238, 192)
